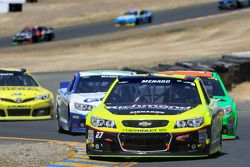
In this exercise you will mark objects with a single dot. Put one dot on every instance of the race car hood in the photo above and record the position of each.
(127, 18)
(148, 109)
(93, 99)
(22, 35)
(16, 92)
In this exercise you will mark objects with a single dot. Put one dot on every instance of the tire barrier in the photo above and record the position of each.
(13, 5)
(31, 1)
(233, 68)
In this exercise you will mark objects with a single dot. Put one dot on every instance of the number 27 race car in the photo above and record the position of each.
(155, 116)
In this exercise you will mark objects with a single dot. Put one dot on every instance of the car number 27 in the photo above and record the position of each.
(99, 135)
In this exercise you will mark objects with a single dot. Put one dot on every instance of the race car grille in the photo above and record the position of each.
(18, 112)
(2, 113)
(145, 123)
(145, 141)
(13, 101)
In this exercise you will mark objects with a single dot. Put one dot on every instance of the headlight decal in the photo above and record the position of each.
(190, 123)
(227, 110)
(102, 123)
(42, 97)
(83, 107)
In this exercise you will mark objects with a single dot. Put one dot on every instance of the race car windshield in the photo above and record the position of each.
(26, 31)
(16, 79)
(154, 92)
(94, 84)
(131, 13)
(213, 87)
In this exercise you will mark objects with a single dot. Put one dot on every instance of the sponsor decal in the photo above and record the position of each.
(20, 88)
(91, 100)
(109, 76)
(143, 130)
(17, 94)
(148, 108)
(90, 136)
(156, 81)
(6, 74)
(146, 112)
(18, 106)
(202, 135)
(75, 116)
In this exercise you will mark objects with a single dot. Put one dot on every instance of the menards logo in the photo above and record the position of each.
(155, 81)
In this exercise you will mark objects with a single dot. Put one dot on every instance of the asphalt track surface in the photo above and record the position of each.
(234, 153)
(105, 27)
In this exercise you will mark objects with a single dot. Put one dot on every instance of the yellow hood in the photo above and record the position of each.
(14, 92)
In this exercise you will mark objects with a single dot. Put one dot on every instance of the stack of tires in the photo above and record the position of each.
(234, 68)
(13, 5)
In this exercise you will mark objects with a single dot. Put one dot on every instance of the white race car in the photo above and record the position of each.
(77, 98)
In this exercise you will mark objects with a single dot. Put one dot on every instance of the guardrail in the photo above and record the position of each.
(234, 68)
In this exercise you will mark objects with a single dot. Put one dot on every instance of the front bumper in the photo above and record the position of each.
(186, 144)
(21, 41)
(34, 110)
(125, 24)
(227, 5)
(78, 123)
(229, 127)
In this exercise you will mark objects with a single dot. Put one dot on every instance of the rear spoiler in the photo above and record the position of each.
(64, 84)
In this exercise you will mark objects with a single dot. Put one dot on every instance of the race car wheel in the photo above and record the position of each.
(48, 37)
(59, 128)
(69, 123)
(150, 19)
(34, 39)
(239, 5)
(137, 22)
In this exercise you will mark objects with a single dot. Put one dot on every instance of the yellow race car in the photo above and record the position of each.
(22, 98)
(155, 116)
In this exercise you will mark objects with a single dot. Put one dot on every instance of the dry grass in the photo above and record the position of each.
(60, 13)
(241, 93)
(135, 48)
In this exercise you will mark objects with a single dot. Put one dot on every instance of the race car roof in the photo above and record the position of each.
(190, 73)
(13, 70)
(106, 72)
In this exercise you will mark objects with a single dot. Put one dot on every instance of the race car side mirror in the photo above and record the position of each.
(64, 84)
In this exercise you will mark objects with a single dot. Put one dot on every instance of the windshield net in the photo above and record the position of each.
(213, 87)
(94, 84)
(16, 79)
(170, 92)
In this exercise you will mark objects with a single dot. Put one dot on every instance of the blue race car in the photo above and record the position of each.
(134, 17)
(233, 4)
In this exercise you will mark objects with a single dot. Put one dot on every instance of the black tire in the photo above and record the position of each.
(69, 123)
(59, 128)
(137, 22)
(150, 19)
(239, 5)
(46, 37)
(34, 39)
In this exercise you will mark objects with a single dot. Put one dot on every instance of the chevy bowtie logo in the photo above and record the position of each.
(145, 124)
(19, 100)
